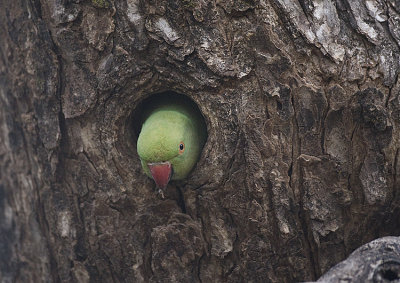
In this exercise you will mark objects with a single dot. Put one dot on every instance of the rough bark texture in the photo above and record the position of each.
(301, 166)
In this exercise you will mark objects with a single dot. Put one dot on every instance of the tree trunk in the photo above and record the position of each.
(301, 165)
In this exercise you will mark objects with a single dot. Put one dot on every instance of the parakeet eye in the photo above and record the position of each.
(181, 148)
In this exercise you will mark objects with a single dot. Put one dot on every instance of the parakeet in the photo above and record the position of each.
(170, 141)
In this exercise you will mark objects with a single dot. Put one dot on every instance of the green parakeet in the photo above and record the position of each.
(170, 141)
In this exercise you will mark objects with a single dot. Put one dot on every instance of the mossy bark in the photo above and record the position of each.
(301, 165)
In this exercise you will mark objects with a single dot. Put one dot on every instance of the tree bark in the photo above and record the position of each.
(301, 165)
(378, 262)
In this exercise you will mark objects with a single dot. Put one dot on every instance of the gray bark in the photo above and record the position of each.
(301, 165)
(375, 262)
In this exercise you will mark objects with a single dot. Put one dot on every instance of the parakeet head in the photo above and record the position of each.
(169, 144)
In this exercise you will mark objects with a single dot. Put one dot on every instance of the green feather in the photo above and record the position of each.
(165, 126)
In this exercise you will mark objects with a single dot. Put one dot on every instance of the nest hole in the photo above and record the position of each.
(387, 272)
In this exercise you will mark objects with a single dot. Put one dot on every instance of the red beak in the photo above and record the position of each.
(161, 173)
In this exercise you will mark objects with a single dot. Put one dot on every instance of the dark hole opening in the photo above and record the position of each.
(390, 275)
(387, 272)
(290, 170)
(279, 105)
